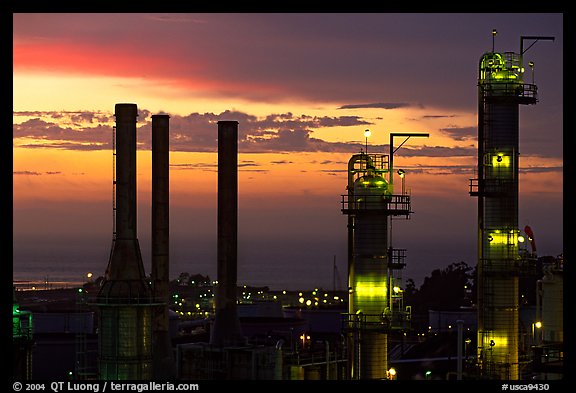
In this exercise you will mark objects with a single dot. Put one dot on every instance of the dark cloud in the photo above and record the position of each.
(58, 137)
(380, 105)
(461, 133)
(27, 173)
(243, 164)
(34, 173)
(197, 132)
(199, 165)
(533, 169)
(437, 116)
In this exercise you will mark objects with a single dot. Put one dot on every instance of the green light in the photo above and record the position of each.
(494, 67)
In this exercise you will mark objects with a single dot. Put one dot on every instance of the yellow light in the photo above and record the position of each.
(500, 160)
(308, 302)
(301, 300)
(367, 133)
(538, 324)
(498, 237)
(371, 289)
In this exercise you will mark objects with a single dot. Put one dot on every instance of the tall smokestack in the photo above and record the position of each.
(226, 330)
(126, 261)
(164, 366)
(124, 299)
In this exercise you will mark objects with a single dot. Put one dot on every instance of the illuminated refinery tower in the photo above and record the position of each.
(124, 300)
(374, 307)
(501, 90)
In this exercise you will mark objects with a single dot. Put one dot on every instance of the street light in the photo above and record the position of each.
(536, 325)
(402, 175)
(494, 33)
(367, 133)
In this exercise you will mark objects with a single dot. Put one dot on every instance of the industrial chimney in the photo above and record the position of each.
(124, 300)
(226, 330)
(164, 366)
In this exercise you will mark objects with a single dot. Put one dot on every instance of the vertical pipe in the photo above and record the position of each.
(126, 215)
(163, 357)
(226, 329)
(160, 209)
(125, 259)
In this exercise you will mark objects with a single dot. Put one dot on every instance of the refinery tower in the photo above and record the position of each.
(375, 306)
(501, 91)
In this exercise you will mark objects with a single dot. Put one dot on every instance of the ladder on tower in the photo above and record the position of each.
(114, 182)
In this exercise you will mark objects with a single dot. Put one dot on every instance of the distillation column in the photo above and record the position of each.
(500, 92)
(369, 204)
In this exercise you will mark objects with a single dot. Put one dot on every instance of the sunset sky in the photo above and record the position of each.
(303, 88)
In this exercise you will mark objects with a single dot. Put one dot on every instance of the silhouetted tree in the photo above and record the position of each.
(444, 289)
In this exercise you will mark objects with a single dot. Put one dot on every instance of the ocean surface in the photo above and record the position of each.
(58, 271)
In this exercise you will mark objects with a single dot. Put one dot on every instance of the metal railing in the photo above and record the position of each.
(388, 204)
(379, 322)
